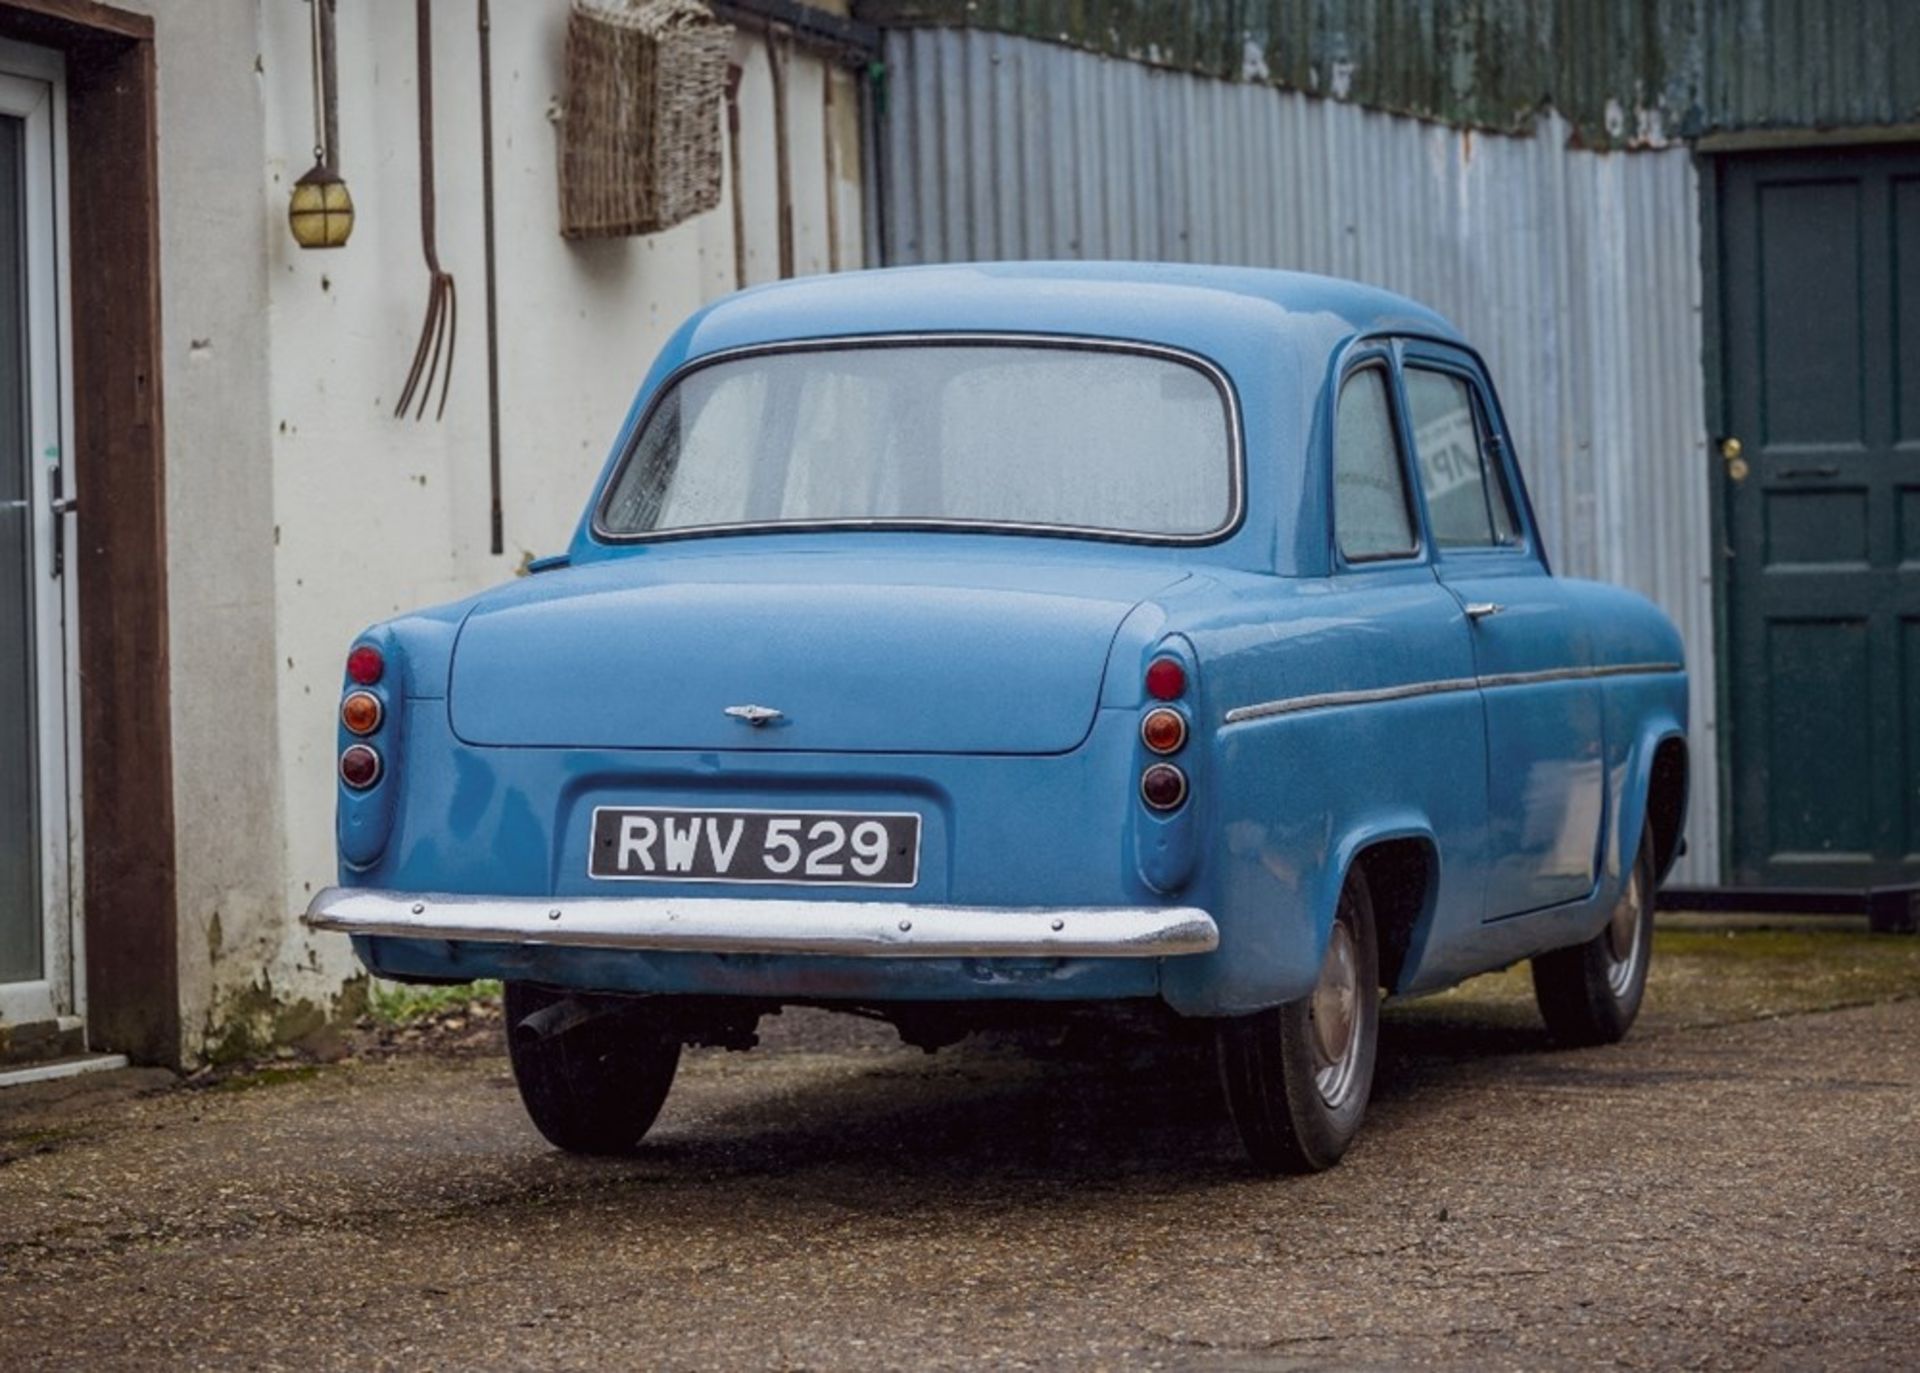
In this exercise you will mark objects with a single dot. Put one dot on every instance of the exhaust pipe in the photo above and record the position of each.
(549, 1022)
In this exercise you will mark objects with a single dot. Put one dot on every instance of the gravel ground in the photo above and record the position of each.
(1719, 1191)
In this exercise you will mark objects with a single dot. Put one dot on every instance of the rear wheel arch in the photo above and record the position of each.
(1667, 802)
(1402, 873)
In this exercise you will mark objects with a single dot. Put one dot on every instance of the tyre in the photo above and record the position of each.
(1590, 993)
(1297, 1077)
(595, 1086)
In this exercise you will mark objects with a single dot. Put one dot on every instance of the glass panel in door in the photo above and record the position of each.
(22, 916)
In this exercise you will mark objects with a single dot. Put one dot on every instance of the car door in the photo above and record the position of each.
(1531, 648)
(1398, 644)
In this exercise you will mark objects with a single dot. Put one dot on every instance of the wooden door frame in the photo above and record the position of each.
(1711, 172)
(118, 551)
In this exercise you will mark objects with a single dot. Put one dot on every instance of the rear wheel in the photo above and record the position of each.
(592, 1082)
(1298, 1076)
(1590, 993)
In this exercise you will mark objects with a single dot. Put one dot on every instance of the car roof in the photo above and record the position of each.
(1179, 304)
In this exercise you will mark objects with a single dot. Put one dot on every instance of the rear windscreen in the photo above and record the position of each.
(1075, 438)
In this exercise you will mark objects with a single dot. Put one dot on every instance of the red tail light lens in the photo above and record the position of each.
(1163, 786)
(359, 767)
(1163, 730)
(361, 712)
(365, 665)
(1166, 679)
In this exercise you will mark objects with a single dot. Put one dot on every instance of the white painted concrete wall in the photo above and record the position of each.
(220, 498)
(299, 509)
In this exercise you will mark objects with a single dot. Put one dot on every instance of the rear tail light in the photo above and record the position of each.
(361, 712)
(1163, 786)
(1163, 730)
(365, 665)
(1166, 679)
(359, 766)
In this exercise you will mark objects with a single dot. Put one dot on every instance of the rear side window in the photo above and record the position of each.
(1467, 502)
(1371, 518)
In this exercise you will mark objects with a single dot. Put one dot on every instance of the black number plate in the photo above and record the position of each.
(824, 848)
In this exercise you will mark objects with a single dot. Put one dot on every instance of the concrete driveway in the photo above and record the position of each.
(1720, 1191)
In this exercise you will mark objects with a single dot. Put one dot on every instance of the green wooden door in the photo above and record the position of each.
(1820, 314)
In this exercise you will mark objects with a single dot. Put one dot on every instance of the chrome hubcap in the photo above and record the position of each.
(1625, 934)
(1334, 1011)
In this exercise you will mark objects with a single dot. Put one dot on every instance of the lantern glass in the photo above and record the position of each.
(321, 212)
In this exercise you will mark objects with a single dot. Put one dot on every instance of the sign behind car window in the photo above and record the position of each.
(1466, 502)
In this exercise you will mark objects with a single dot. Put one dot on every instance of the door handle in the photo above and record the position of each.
(1731, 454)
(1479, 610)
(61, 504)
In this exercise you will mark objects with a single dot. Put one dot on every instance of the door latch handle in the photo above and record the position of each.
(61, 504)
(1731, 452)
(1479, 610)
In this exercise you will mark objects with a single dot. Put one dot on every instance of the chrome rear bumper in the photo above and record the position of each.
(848, 929)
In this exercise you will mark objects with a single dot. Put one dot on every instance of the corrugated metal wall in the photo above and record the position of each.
(1621, 71)
(1576, 273)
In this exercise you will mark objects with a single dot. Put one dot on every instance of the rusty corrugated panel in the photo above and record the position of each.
(1622, 72)
(1576, 272)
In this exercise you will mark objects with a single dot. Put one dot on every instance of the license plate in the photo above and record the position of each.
(818, 847)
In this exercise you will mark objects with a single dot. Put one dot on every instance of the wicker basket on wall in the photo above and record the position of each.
(640, 136)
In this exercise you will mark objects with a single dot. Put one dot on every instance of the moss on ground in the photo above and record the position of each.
(397, 1003)
(273, 1075)
(1712, 973)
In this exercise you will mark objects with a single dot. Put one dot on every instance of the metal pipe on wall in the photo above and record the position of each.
(329, 84)
(495, 518)
(830, 170)
(736, 193)
(779, 54)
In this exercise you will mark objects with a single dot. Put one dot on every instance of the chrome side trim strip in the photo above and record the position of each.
(1328, 700)
(847, 929)
(1564, 674)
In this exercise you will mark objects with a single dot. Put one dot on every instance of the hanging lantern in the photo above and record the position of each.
(321, 212)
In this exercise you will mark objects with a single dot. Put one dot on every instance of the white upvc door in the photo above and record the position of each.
(39, 748)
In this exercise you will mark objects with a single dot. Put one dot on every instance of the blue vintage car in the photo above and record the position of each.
(954, 643)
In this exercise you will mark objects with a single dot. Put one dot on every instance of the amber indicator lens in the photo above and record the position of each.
(359, 767)
(1166, 679)
(364, 665)
(360, 712)
(1163, 786)
(1162, 730)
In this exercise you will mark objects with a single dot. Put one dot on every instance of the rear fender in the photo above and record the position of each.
(1274, 935)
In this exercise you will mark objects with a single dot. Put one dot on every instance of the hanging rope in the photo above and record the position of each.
(438, 330)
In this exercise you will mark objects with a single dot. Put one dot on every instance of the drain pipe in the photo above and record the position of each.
(734, 73)
(779, 54)
(829, 170)
(493, 321)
